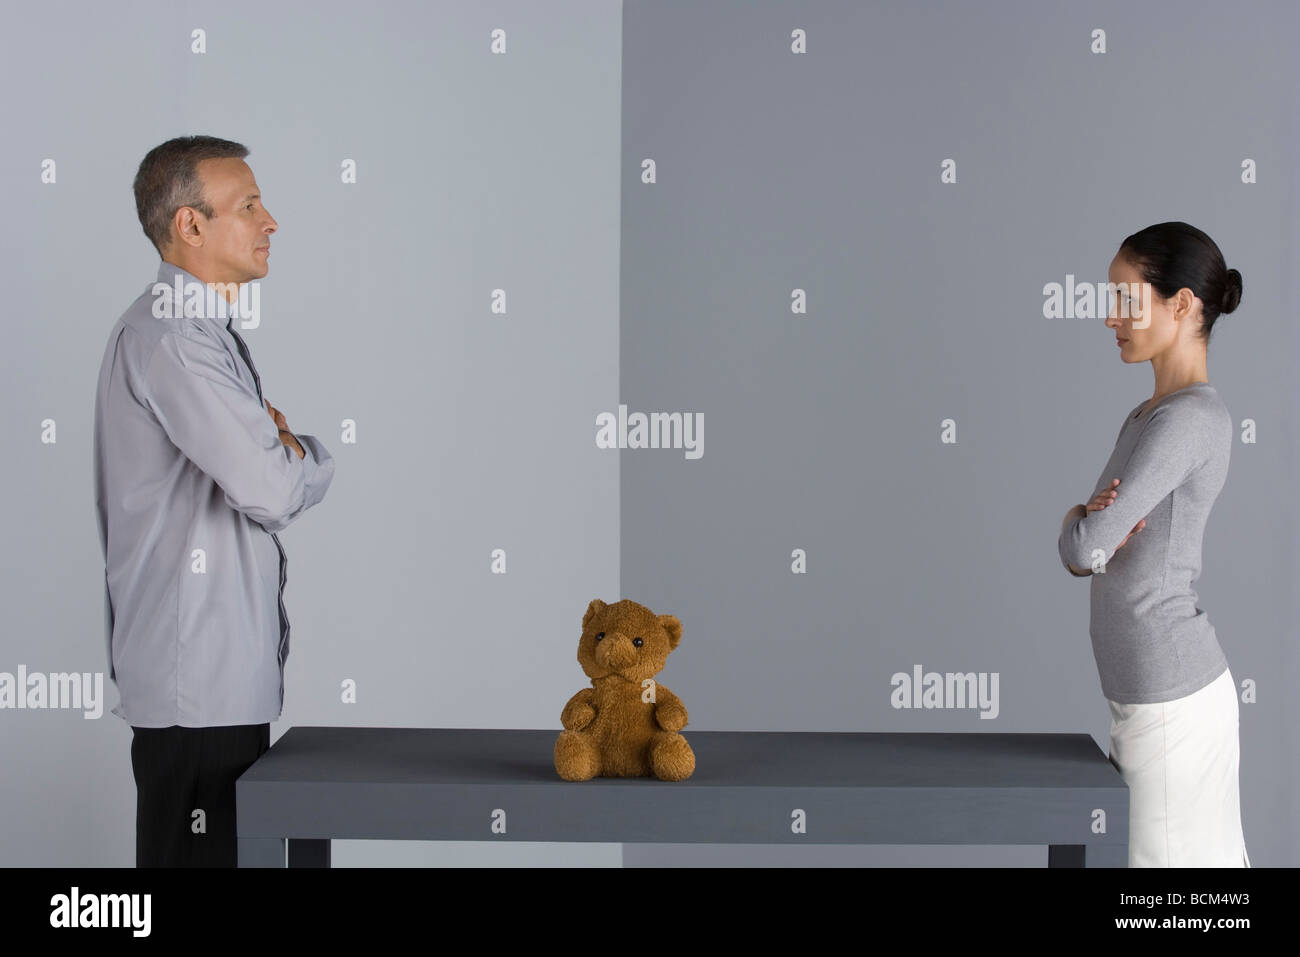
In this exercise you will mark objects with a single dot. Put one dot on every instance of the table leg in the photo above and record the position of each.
(1066, 855)
(304, 852)
(1078, 855)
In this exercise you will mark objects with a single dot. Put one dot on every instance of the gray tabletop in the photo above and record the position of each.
(748, 786)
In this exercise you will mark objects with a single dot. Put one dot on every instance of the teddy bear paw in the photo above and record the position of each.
(576, 756)
(671, 758)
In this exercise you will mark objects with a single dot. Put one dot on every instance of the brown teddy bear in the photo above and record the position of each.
(625, 724)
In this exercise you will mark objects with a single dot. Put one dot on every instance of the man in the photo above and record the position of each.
(195, 472)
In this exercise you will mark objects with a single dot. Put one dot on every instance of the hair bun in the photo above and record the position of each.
(1231, 291)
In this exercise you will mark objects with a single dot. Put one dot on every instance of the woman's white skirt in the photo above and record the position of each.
(1179, 759)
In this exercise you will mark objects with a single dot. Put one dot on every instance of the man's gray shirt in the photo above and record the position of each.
(191, 484)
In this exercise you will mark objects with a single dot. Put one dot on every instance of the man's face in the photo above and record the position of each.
(236, 244)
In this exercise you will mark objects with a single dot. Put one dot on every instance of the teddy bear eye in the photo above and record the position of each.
(638, 642)
(600, 636)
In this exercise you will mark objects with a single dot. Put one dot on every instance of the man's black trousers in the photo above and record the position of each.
(180, 772)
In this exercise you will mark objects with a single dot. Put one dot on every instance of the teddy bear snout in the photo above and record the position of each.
(615, 652)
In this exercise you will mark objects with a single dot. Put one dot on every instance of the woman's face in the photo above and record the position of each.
(1143, 323)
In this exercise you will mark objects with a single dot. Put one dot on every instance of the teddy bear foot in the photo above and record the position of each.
(576, 756)
(671, 758)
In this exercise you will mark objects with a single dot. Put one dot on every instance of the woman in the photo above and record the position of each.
(1173, 702)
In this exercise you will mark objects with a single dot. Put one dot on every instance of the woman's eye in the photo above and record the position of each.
(638, 642)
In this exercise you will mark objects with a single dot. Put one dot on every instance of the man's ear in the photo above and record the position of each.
(594, 609)
(674, 628)
(187, 228)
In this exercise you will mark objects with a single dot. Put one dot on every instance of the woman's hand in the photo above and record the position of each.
(1107, 497)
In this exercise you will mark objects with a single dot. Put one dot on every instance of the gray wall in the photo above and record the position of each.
(475, 431)
(821, 171)
(475, 172)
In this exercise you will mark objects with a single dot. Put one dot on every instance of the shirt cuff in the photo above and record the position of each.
(317, 469)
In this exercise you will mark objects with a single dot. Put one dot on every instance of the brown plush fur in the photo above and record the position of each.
(619, 727)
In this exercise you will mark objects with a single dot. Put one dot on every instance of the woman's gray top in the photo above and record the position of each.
(1151, 641)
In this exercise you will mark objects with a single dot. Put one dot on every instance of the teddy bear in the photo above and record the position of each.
(625, 724)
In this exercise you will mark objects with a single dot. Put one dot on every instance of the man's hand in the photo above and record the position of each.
(276, 416)
(286, 437)
(291, 440)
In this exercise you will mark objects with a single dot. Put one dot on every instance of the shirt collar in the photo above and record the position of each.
(211, 306)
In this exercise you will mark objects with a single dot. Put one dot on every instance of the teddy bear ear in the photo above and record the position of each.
(594, 609)
(673, 627)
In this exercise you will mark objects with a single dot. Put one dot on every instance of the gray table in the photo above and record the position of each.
(453, 784)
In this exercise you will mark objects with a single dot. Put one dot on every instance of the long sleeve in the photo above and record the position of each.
(1171, 445)
(221, 425)
(318, 469)
(1076, 513)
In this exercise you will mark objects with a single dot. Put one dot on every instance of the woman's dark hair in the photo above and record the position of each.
(1173, 255)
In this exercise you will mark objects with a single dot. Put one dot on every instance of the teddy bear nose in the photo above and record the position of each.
(615, 652)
